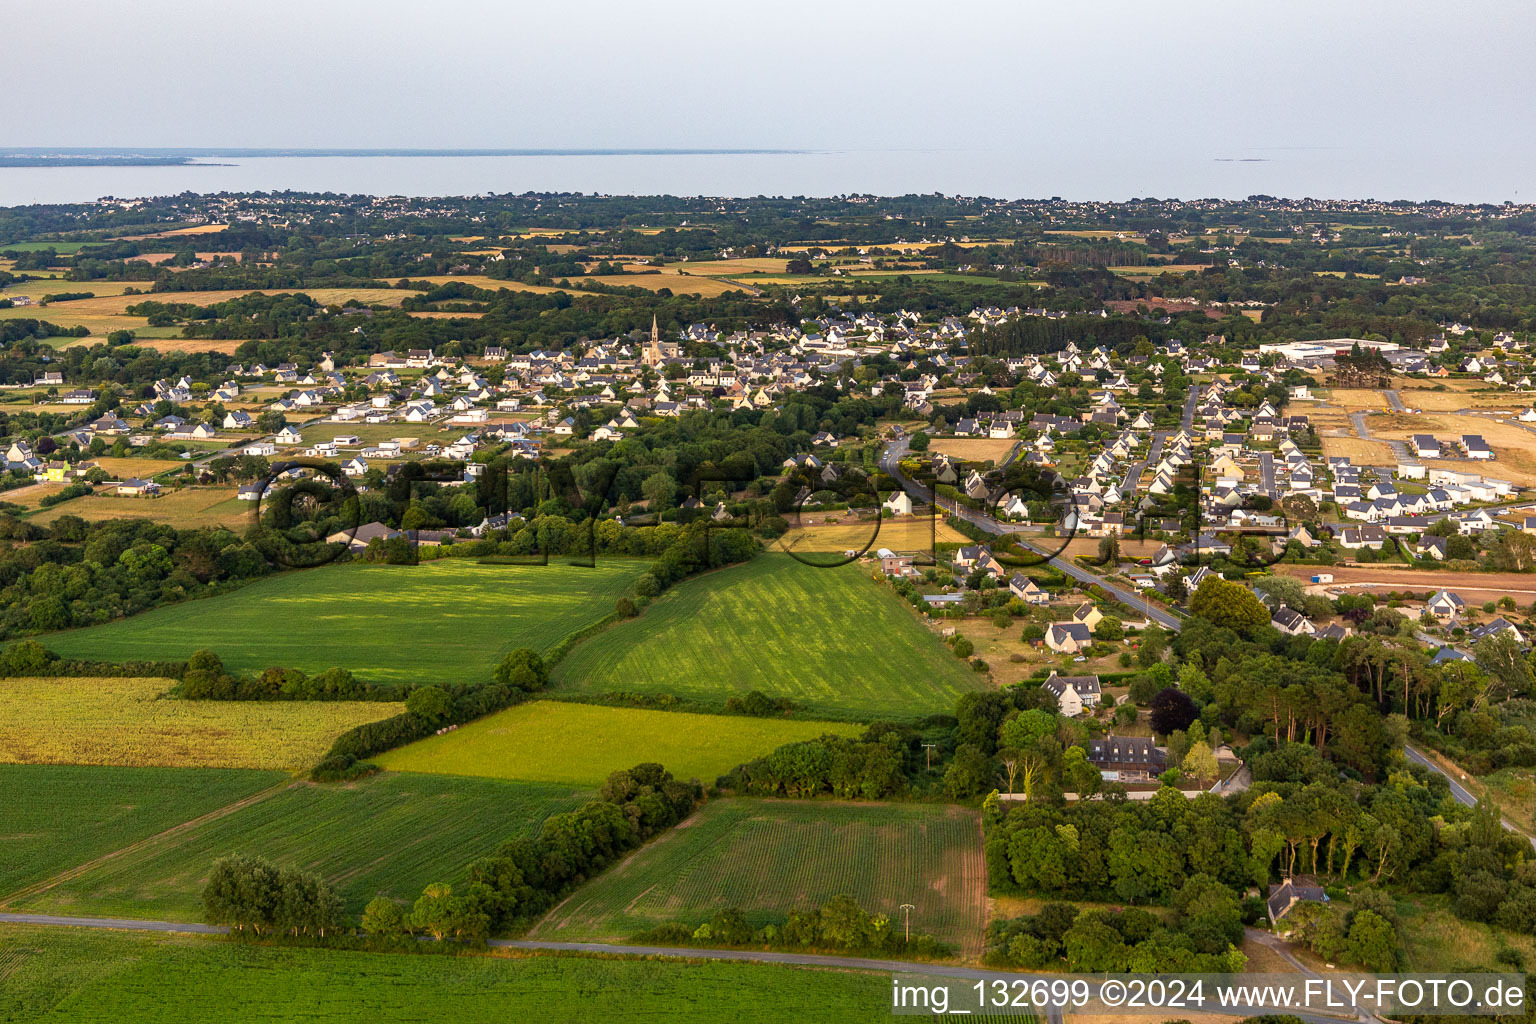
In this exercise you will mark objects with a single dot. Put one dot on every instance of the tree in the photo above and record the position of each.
(1109, 629)
(1026, 729)
(660, 490)
(1500, 656)
(384, 918)
(1372, 942)
(433, 912)
(430, 702)
(1228, 604)
(919, 442)
(968, 773)
(1172, 711)
(1200, 762)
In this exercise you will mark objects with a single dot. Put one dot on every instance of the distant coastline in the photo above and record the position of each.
(107, 157)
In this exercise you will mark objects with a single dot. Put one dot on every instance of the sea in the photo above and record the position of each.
(1041, 172)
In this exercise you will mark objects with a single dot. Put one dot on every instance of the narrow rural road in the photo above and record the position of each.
(1457, 789)
(906, 967)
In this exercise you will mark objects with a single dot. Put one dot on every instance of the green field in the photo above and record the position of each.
(581, 744)
(56, 817)
(125, 721)
(58, 975)
(771, 856)
(831, 640)
(391, 834)
(445, 621)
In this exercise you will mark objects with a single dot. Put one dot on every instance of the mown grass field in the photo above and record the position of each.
(831, 640)
(581, 744)
(187, 509)
(390, 834)
(101, 977)
(446, 621)
(112, 721)
(53, 817)
(768, 857)
(905, 534)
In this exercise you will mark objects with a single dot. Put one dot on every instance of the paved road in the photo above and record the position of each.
(1457, 789)
(889, 462)
(1267, 474)
(1189, 407)
(119, 923)
(1394, 400)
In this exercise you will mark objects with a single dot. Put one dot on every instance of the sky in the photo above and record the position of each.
(1150, 79)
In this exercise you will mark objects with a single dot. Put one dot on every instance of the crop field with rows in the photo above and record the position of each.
(446, 621)
(832, 640)
(390, 834)
(768, 857)
(53, 817)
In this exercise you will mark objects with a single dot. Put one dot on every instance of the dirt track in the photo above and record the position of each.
(1494, 585)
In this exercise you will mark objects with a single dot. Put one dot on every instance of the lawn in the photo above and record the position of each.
(768, 857)
(86, 977)
(390, 834)
(113, 721)
(53, 817)
(445, 621)
(832, 640)
(581, 744)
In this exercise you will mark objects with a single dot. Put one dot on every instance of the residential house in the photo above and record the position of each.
(1068, 637)
(1074, 693)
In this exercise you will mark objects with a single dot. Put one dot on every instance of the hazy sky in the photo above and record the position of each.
(1150, 77)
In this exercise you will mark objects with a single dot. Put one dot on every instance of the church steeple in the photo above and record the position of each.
(655, 330)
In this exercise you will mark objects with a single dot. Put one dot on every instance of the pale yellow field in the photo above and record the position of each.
(1151, 271)
(157, 258)
(126, 722)
(31, 494)
(973, 449)
(1361, 452)
(188, 508)
(902, 533)
(1514, 447)
(66, 314)
(757, 265)
(200, 229)
(130, 466)
(488, 283)
(112, 305)
(53, 286)
(680, 284)
(1355, 399)
(225, 346)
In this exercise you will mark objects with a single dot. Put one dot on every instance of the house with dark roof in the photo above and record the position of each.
(1127, 758)
(1284, 896)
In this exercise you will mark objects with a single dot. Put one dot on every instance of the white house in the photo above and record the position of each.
(1068, 637)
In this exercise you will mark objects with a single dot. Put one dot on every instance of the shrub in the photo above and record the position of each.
(524, 670)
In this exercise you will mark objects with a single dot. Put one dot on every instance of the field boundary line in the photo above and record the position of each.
(38, 888)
